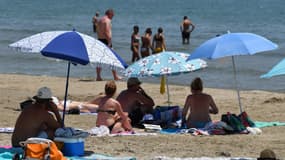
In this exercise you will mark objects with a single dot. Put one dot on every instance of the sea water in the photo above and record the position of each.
(20, 19)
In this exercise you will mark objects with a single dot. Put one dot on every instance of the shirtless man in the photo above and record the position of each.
(135, 101)
(36, 120)
(186, 28)
(104, 34)
(110, 112)
(200, 106)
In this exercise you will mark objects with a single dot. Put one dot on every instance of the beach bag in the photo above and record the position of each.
(234, 121)
(41, 149)
(246, 121)
(167, 114)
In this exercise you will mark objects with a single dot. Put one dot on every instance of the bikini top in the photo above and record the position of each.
(112, 112)
(136, 39)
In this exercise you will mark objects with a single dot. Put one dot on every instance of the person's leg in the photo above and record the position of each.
(117, 128)
(188, 38)
(116, 76)
(183, 37)
(98, 72)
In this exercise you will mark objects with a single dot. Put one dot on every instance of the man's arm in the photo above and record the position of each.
(185, 110)
(146, 101)
(213, 108)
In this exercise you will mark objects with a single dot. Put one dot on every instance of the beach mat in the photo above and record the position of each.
(100, 156)
(7, 153)
(202, 158)
(259, 124)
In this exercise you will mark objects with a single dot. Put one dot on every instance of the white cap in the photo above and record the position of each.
(43, 93)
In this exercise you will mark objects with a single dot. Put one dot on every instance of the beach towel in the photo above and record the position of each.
(100, 156)
(6, 130)
(7, 153)
(104, 131)
(259, 124)
(203, 158)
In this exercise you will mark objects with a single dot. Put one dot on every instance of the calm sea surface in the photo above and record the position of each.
(20, 19)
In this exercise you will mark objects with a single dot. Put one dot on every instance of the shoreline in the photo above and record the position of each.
(260, 106)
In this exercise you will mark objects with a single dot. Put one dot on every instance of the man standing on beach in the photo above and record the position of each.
(186, 28)
(104, 34)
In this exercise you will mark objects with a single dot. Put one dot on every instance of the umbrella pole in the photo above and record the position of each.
(168, 96)
(66, 91)
(237, 89)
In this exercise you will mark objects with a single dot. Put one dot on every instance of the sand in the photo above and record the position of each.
(260, 106)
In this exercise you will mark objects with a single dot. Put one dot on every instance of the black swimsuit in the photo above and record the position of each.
(109, 112)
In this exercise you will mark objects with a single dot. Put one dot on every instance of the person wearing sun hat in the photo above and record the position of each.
(41, 119)
(135, 101)
(267, 154)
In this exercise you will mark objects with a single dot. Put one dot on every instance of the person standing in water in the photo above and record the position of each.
(135, 43)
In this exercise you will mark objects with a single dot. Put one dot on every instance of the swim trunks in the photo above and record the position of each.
(197, 124)
(105, 41)
(186, 34)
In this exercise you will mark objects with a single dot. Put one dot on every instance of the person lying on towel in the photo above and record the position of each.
(75, 107)
(40, 119)
(200, 106)
(110, 112)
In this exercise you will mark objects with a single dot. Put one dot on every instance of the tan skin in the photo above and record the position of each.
(135, 45)
(135, 96)
(104, 31)
(146, 43)
(86, 107)
(158, 44)
(34, 119)
(120, 119)
(200, 106)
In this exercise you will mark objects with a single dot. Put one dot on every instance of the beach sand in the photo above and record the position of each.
(260, 106)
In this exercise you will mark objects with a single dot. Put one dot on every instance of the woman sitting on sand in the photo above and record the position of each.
(200, 106)
(110, 112)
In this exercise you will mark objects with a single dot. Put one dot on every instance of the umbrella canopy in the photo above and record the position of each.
(277, 70)
(232, 44)
(72, 46)
(164, 64)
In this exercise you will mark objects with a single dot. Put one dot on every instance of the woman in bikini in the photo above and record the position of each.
(158, 42)
(110, 112)
(146, 43)
(200, 106)
(135, 43)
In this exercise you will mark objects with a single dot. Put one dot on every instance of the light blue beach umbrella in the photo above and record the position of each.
(233, 44)
(164, 64)
(277, 70)
(72, 46)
